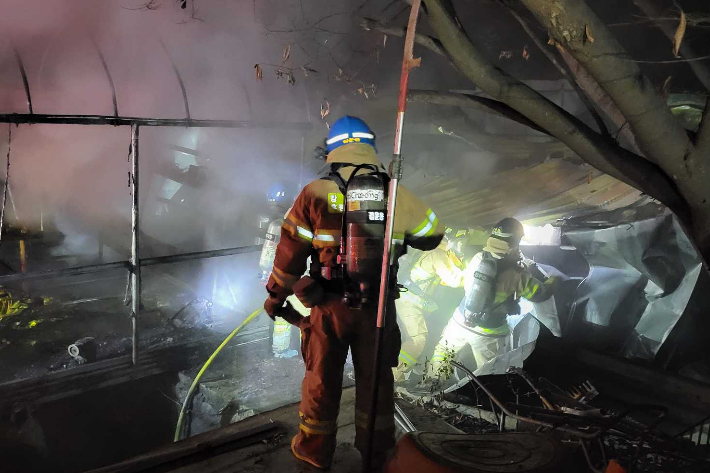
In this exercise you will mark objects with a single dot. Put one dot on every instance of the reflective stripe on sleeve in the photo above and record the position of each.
(298, 228)
(438, 357)
(500, 297)
(326, 238)
(407, 358)
(304, 233)
(428, 225)
(530, 291)
(283, 279)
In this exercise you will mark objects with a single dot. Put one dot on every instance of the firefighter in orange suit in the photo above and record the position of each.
(313, 227)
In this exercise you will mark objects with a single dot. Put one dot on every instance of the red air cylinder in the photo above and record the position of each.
(365, 228)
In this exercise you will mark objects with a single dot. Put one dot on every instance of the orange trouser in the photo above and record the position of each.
(326, 336)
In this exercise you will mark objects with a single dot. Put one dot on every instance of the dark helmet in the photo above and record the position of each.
(505, 238)
(509, 230)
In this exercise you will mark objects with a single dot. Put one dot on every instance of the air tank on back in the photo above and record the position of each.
(268, 251)
(480, 294)
(365, 229)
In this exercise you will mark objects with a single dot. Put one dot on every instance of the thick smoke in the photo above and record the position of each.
(74, 178)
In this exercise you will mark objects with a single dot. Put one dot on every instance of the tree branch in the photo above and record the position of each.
(427, 41)
(542, 46)
(471, 101)
(659, 134)
(602, 99)
(602, 153)
(653, 10)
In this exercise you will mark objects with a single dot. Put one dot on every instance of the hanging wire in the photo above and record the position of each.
(7, 179)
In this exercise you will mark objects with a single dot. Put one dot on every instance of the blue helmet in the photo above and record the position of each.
(277, 194)
(349, 130)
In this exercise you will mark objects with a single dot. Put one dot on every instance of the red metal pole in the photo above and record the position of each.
(408, 63)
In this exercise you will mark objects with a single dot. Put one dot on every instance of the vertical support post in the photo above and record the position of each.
(6, 186)
(135, 243)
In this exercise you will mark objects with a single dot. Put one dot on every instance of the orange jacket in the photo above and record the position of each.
(312, 226)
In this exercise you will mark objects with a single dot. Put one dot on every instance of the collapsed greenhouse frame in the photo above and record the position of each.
(134, 264)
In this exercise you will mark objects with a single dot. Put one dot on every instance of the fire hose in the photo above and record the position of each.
(196, 381)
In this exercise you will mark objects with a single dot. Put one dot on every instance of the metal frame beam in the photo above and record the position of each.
(135, 263)
(126, 264)
(135, 241)
(35, 118)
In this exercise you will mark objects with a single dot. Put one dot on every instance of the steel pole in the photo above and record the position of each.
(408, 63)
(135, 242)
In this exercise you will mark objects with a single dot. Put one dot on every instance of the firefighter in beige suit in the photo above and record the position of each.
(486, 332)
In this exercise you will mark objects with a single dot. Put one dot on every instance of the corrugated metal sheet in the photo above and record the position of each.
(539, 193)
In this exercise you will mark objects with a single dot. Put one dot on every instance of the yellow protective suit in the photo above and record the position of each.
(440, 267)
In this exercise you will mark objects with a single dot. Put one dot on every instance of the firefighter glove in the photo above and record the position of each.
(289, 314)
(272, 306)
(309, 292)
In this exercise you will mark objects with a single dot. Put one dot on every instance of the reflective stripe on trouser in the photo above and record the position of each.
(455, 338)
(410, 316)
(326, 336)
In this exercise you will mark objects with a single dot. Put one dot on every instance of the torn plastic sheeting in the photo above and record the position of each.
(605, 290)
(641, 277)
(525, 330)
(546, 313)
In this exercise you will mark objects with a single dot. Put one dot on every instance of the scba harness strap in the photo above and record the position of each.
(364, 198)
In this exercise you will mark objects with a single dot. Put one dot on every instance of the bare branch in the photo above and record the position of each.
(582, 94)
(670, 61)
(427, 41)
(600, 152)
(652, 9)
(150, 5)
(698, 21)
(471, 101)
